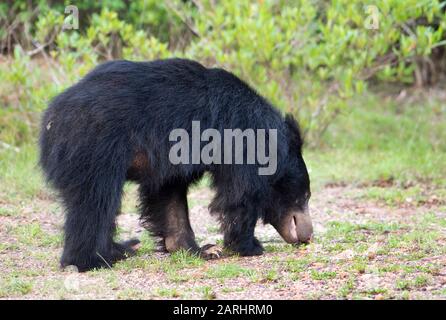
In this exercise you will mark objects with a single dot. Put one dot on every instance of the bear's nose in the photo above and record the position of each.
(296, 227)
(304, 226)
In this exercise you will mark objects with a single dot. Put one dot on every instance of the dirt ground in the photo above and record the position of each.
(363, 249)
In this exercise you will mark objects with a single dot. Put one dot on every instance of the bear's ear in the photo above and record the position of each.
(294, 135)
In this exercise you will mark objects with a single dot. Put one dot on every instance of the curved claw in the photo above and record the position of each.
(211, 251)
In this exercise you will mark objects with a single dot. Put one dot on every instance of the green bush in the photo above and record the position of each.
(310, 57)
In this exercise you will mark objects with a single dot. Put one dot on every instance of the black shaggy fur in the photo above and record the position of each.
(114, 125)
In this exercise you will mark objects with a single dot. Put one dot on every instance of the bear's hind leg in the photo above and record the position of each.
(90, 225)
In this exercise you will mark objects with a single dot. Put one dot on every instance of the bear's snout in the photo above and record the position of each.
(296, 227)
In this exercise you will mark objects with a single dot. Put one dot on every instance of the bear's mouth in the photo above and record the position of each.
(295, 227)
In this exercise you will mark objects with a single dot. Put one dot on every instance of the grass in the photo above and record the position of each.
(272, 275)
(184, 259)
(229, 270)
(280, 248)
(396, 196)
(322, 275)
(147, 244)
(167, 293)
(347, 288)
(418, 282)
(32, 234)
(297, 265)
(15, 287)
(131, 294)
(379, 141)
(208, 293)
(23, 177)
(7, 212)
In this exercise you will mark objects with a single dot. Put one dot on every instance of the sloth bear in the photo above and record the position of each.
(116, 124)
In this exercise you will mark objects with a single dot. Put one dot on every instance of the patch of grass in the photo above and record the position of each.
(271, 275)
(228, 270)
(405, 295)
(334, 248)
(283, 248)
(131, 294)
(404, 143)
(7, 212)
(133, 263)
(375, 291)
(232, 289)
(175, 276)
(442, 292)
(130, 198)
(382, 227)
(414, 244)
(170, 265)
(423, 239)
(345, 232)
(359, 265)
(427, 268)
(421, 281)
(112, 281)
(402, 284)
(297, 265)
(347, 288)
(350, 233)
(322, 275)
(167, 292)
(147, 244)
(3, 247)
(213, 229)
(394, 196)
(19, 171)
(392, 268)
(184, 259)
(418, 282)
(173, 264)
(208, 293)
(14, 286)
(442, 221)
(32, 234)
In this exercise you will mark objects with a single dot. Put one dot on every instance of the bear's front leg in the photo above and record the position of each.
(238, 227)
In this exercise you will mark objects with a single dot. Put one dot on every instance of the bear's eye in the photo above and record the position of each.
(304, 199)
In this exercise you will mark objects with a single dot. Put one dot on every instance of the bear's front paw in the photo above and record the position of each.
(211, 251)
(251, 247)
